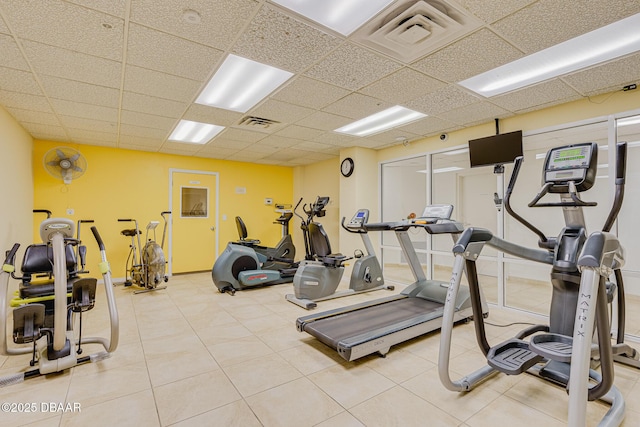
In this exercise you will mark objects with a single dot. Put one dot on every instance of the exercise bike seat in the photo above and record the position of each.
(242, 233)
(129, 232)
(322, 247)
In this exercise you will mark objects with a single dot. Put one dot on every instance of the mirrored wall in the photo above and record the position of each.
(476, 194)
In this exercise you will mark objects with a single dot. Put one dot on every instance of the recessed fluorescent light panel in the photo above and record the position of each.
(606, 43)
(384, 120)
(194, 132)
(241, 83)
(343, 16)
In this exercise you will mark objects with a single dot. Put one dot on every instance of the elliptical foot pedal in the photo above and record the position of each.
(512, 357)
(555, 346)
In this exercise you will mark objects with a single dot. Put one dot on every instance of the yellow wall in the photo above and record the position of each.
(133, 184)
(17, 185)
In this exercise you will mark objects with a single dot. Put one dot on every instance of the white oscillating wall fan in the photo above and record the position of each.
(66, 163)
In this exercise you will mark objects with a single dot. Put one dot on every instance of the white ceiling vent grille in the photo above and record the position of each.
(413, 29)
(258, 123)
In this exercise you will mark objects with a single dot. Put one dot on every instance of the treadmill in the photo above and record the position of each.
(374, 326)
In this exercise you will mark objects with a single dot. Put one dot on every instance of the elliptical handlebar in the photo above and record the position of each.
(358, 231)
(621, 168)
(11, 254)
(507, 204)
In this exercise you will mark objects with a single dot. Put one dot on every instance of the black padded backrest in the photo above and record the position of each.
(320, 245)
(38, 259)
(242, 229)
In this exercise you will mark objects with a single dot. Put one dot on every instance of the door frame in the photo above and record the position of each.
(216, 218)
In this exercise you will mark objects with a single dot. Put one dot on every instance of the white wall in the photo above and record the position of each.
(16, 176)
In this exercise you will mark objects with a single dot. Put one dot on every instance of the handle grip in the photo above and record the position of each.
(124, 220)
(94, 230)
(165, 212)
(46, 211)
(86, 221)
(621, 162)
(11, 254)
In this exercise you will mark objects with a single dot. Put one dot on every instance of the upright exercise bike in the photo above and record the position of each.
(582, 266)
(146, 264)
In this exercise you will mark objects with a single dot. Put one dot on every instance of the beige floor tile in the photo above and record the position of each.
(211, 335)
(193, 396)
(631, 419)
(505, 411)
(312, 356)
(177, 357)
(298, 403)
(399, 365)
(138, 409)
(48, 422)
(94, 388)
(283, 338)
(344, 419)
(259, 325)
(632, 398)
(459, 405)
(350, 384)
(239, 351)
(261, 374)
(234, 414)
(249, 311)
(399, 407)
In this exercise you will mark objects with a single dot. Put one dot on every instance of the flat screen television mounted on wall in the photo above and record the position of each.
(495, 149)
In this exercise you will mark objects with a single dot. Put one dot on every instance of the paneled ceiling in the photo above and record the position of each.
(122, 73)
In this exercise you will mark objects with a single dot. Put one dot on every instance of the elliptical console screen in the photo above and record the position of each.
(568, 164)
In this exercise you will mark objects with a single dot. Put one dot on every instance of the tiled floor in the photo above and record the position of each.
(190, 356)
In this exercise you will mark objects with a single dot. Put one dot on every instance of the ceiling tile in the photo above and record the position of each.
(84, 136)
(143, 132)
(549, 22)
(152, 105)
(138, 147)
(540, 94)
(471, 115)
(357, 106)
(334, 138)
(221, 142)
(89, 124)
(298, 132)
(221, 20)
(169, 54)
(222, 152)
(282, 112)
(11, 56)
(324, 121)
(19, 81)
(94, 142)
(474, 54)
(70, 65)
(3, 27)
(492, 10)
(606, 78)
(392, 135)
(242, 135)
(87, 111)
(59, 23)
(216, 116)
(73, 90)
(279, 40)
(178, 146)
(24, 101)
(352, 67)
(30, 116)
(441, 100)
(278, 142)
(45, 132)
(247, 156)
(112, 7)
(160, 85)
(429, 126)
(313, 146)
(310, 93)
(146, 120)
(401, 86)
(131, 140)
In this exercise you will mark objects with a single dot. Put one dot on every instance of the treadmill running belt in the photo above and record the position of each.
(333, 330)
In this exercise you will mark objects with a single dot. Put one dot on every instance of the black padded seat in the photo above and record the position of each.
(322, 247)
(129, 232)
(43, 289)
(38, 259)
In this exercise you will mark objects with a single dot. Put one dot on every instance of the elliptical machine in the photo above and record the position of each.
(317, 279)
(283, 249)
(146, 265)
(240, 267)
(563, 351)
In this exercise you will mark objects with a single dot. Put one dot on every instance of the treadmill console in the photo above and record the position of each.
(433, 213)
(577, 163)
(359, 219)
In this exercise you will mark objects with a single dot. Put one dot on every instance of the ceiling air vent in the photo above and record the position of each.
(258, 123)
(413, 29)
